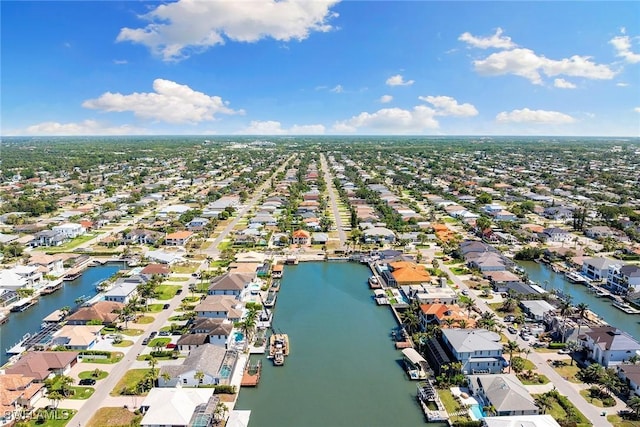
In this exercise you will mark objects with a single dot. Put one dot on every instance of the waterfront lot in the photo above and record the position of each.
(114, 417)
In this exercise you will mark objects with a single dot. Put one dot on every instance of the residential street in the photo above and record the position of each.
(328, 178)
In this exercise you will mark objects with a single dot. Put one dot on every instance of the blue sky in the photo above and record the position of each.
(320, 67)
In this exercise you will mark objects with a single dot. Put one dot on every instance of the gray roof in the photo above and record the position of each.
(212, 326)
(537, 307)
(470, 340)
(206, 358)
(505, 392)
(192, 339)
(610, 338)
(599, 263)
(630, 270)
(230, 281)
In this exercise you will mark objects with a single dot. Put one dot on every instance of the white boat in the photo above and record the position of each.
(625, 307)
(278, 348)
(374, 283)
(574, 277)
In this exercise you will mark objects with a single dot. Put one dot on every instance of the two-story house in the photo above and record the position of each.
(597, 268)
(230, 284)
(609, 346)
(69, 230)
(206, 359)
(220, 306)
(218, 329)
(624, 279)
(179, 238)
(505, 393)
(479, 350)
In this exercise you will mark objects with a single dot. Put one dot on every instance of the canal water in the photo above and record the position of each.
(343, 369)
(540, 273)
(29, 321)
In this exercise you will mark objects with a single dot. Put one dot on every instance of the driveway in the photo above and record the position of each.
(328, 178)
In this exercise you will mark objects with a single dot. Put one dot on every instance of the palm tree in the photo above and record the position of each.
(572, 347)
(468, 304)
(462, 324)
(544, 402)
(581, 310)
(487, 321)
(166, 377)
(220, 412)
(511, 347)
(634, 404)
(65, 310)
(448, 321)
(55, 397)
(199, 376)
(565, 310)
(153, 362)
(65, 381)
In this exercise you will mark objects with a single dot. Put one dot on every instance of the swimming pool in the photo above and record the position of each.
(225, 371)
(238, 337)
(476, 412)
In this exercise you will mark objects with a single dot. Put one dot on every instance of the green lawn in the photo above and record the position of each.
(130, 379)
(177, 279)
(155, 308)
(451, 405)
(558, 413)
(124, 343)
(569, 372)
(187, 268)
(536, 380)
(617, 421)
(166, 292)
(593, 400)
(81, 392)
(70, 245)
(51, 417)
(143, 320)
(116, 356)
(132, 332)
(159, 342)
(114, 417)
(90, 375)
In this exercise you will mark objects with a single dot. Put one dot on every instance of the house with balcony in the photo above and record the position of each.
(597, 268)
(230, 284)
(48, 238)
(19, 393)
(220, 306)
(69, 230)
(47, 264)
(179, 407)
(478, 350)
(179, 238)
(623, 279)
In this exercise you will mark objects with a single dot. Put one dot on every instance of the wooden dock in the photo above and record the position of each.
(251, 375)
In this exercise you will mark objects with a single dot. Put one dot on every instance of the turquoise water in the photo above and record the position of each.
(343, 369)
(477, 411)
(29, 321)
(225, 372)
(238, 336)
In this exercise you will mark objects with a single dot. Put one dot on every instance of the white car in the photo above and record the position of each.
(563, 351)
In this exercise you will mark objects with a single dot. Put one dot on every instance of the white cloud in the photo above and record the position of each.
(525, 63)
(563, 84)
(637, 109)
(390, 120)
(176, 30)
(337, 89)
(384, 99)
(120, 61)
(448, 106)
(622, 45)
(398, 80)
(86, 127)
(272, 127)
(622, 84)
(496, 41)
(534, 116)
(171, 102)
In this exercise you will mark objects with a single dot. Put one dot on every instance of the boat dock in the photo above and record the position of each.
(430, 402)
(251, 375)
(24, 304)
(51, 288)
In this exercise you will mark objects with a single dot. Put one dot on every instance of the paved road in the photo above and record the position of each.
(565, 388)
(212, 251)
(332, 200)
(104, 387)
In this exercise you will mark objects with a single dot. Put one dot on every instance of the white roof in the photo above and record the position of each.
(176, 209)
(521, 421)
(173, 406)
(123, 289)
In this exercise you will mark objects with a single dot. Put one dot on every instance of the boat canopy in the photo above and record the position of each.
(413, 356)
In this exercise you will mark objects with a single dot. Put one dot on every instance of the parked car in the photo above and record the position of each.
(145, 341)
(465, 292)
(563, 351)
(164, 333)
(153, 334)
(87, 381)
(165, 307)
(179, 292)
(509, 318)
(512, 330)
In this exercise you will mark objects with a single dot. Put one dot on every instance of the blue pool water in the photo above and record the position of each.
(239, 336)
(225, 372)
(477, 412)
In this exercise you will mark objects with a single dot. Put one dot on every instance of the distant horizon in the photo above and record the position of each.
(322, 67)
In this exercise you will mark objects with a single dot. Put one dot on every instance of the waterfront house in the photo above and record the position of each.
(555, 234)
(122, 291)
(31, 274)
(220, 306)
(177, 407)
(41, 365)
(609, 346)
(378, 235)
(197, 224)
(217, 329)
(106, 312)
(597, 268)
(537, 309)
(320, 238)
(300, 237)
(17, 392)
(156, 269)
(630, 375)
(430, 294)
(479, 350)
(489, 261)
(188, 342)
(48, 264)
(230, 284)
(408, 273)
(69, 230)
(163, 257)
(505, 393)
(11, 281)
(251, 256)
(541, 420)
(206, 358)
(77, 337)
(438, 314)
(179, 238)
(624, 278)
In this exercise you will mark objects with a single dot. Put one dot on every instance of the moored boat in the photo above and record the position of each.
(374, 283)
(24, 304)
(574, 277)
(625, 307)
(72, 276)
(278, 348)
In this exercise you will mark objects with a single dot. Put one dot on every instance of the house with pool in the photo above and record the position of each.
(504, 392)
(479, 350)
(207, 364)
